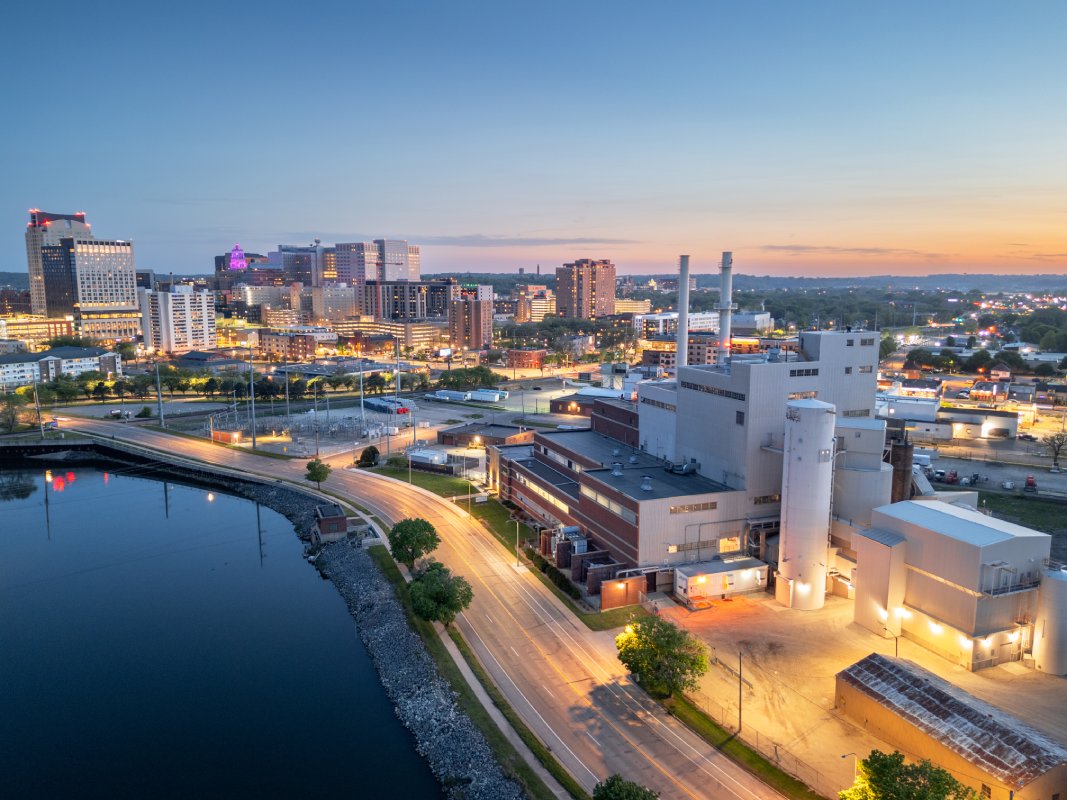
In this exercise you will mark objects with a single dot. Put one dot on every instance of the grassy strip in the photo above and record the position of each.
(544, 755)
(498, 521)
(1033, 512)
(443, 485)
(739, 752)
(509, 759)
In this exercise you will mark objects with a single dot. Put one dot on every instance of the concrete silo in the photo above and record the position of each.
(807, 489)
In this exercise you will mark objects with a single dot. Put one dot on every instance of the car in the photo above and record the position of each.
(1055, 470)
(963, 395)
(1027, 437)
(535, 388)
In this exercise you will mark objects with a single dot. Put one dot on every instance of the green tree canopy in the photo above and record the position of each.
(469, 378)
(885, 776)
(368, 457)
(665, 658)
(618, 788)
(437, 595)
(318, 471)
(411, 539)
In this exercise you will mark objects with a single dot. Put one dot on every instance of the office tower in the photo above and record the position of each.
(306, 264)
(45, 229)
(179, 320)
(470, 318)
(380, 260)
(95, 280)
(585, 289)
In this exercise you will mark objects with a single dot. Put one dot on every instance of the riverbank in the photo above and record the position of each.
(454, 748)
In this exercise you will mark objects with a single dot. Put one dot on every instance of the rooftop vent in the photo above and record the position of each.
(615, 451)
(646, 483)
(616, 469)
(633, 459)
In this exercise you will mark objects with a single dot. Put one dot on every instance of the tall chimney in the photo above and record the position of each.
(726, 307)
(682, 358)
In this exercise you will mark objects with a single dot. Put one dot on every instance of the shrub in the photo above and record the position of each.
(144, 413)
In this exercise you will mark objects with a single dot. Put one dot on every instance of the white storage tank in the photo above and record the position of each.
(807, 485)
(1050, 624)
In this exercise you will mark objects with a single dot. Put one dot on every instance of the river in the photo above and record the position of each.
(160, 640)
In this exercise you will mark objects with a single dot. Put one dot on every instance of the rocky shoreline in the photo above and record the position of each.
(455, 749)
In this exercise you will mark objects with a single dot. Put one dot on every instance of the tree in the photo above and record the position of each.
(437, 595)
(9, 412)
(374, 383)
(100, 391)
(665, 658)
(885, 776)
(950, 341)
(618, 788)
(1055, 442)
(318, 471)
(887, 347)
(411, 539)
(368, 457)
(144, 413)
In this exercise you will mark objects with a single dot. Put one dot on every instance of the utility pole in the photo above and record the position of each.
(739, 686)
(516, 543)
(37, 403)
(252, 394)
(362, 413)
(159, 398)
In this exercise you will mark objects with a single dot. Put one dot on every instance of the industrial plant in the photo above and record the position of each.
(772, 472)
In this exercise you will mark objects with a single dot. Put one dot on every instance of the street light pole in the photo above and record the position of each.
(252, 394)
(516, 543)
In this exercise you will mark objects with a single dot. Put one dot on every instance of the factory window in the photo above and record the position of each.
(659, 404)
(542, 493)
(739, 417)
(696, 387)
(803, 395)
(767, 498)
(730, 544)
(866, 342)
(848, 370)
(986, 791)
(691, 507)
(850, 342)
(861, 412)
(804, 373)
(866, 370)
(609, 504)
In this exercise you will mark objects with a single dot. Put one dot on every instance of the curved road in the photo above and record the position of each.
(564, 680)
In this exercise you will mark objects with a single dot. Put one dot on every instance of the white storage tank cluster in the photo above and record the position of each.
(807, 486)
(1050, 624)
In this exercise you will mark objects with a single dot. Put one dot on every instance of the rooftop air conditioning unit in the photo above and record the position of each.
(646, 483)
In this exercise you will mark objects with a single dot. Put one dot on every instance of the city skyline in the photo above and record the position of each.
(823, 139)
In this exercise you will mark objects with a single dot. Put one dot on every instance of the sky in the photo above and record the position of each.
(809, 138)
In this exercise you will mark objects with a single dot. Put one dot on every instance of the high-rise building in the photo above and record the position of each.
(380, 260)
(585, 289)
(96, 281)
(533, 302)
(45, 229)
(470, 318)
(179, 320)
(306, 264)
(407, 299)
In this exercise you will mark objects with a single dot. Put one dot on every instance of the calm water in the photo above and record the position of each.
(175, 643)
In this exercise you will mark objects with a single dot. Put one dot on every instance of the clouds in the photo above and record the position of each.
(831, 250)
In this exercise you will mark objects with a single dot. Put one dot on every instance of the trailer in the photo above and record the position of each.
(488, 395)
(452, 396)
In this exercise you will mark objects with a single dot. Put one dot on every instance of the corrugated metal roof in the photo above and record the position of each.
(992, 740)
(956, 522)
(888, 538)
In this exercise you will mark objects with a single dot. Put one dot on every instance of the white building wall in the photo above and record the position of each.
(667, 538)
(657, 404)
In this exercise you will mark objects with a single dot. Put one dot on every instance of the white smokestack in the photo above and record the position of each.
(726, 307)
(682, 358)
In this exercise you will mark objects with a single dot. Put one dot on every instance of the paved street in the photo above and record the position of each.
(564, 680)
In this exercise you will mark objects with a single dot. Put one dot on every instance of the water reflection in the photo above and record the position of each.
(16, 486)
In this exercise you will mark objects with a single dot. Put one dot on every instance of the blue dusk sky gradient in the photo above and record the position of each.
(814, 138)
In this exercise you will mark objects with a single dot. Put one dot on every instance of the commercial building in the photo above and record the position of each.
(306, 264)
(179, 320)
(300, 343)
(380, 260)
(22, 369)
(478, 434)
(535, 307)
(470, 319)
(418, 336)
(35, 331)
(47, 229)
(585, 289)
(623, 306)
(407, 300)
(526, 358)
(665, 323)
(95, 281)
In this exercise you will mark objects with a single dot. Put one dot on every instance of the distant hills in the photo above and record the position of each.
(14, 280)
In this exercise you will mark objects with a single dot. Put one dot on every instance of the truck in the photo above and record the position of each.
(452, 396)
(921, 459)
(488, 395)
(1030, 485)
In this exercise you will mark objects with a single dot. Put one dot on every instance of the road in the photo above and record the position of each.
(563, 679)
